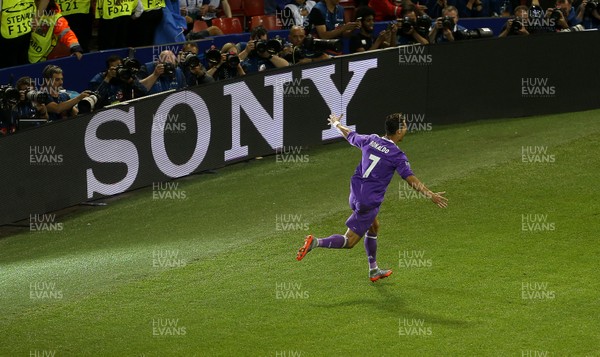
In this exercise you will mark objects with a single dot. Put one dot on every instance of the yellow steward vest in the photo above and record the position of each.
(16, 18)
(70, 7)
(110, 9)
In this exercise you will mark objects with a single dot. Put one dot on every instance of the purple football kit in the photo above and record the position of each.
(380, 159)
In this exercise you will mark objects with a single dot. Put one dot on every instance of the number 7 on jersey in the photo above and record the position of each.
(375, 159)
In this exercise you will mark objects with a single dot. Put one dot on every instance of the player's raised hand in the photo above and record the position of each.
(439, 199)
(334, 119)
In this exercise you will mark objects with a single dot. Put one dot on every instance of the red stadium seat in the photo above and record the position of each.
(254, 8)
(269, 22)
(237, 8)
(199, 25)
(228, 25)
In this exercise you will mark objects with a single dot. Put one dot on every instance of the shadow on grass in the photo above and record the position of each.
(393, 304)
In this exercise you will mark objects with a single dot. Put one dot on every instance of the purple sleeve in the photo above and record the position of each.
(357, 140)
(404, 170)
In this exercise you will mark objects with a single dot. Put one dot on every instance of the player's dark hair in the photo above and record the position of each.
(258, 32)
(393, 122)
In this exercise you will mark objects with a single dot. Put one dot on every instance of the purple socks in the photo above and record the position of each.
(335, 241)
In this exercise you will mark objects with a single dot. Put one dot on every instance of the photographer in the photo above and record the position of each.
(224, 64)
(562, 16)
(59, 104)
(260, 53)
(165, 74)
(31, 102)
(519, 25)
(445, 27)
(119, 82)
(589, 14)
(9, 97)
(194, 71)
(362, 40)
(302, 49)
(326, 21)
(413, 29)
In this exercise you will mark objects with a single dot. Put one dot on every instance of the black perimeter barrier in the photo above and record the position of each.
(175, 134)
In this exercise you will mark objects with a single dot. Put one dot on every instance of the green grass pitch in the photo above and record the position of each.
(206, 266)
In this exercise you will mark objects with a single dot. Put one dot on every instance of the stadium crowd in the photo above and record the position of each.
(45, 29)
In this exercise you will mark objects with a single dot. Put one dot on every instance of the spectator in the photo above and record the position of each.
(190, 9)
(113, 23)
(165, 74)
(26, 108)
(193, 70)
(409, 35)
(326, 20)
(48, 30)
(80, 18)
(118, 83)
(226, 66)
(385, 10)
(257, 33)
(209, 9)
(298, 53)
(590, 18)
(523, 27)
(560, 17)
(146, 19)
(444, 28)
(59, 105)
(296, 13)
(362, 40)
(15, 26)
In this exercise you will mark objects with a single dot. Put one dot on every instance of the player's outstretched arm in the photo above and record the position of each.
(435, 197)
(334, 121)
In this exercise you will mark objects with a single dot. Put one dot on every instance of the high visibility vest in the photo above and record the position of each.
(153, 4)
(110, 9)
(16, 18)
(70, 7)
(43, 39)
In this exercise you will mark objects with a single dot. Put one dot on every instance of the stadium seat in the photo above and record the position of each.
(253, 8)
(349, 10)
(199, 25)
(269, 22)
(237, 8)
(228, 25)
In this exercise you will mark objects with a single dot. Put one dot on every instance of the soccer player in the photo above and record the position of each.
(381, 157)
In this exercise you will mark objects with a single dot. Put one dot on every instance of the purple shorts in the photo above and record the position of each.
(362, 216)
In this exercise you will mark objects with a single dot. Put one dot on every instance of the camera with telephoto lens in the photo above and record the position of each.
(556, 14)
(232, 59)
(316, 44)
(591, 6)
(90, 103)
(213, 56)
(474, 34)
(9, 96)
(516, 26)
(37, 96)
(128, 69)
(169, 68)
(448, 22)
(407, 24)
(189, 60)
(423, 24)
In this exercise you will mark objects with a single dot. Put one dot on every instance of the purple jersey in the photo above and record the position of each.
(380, 159)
